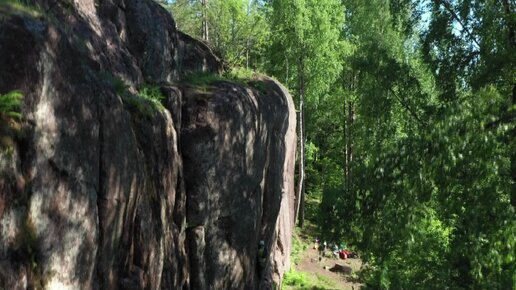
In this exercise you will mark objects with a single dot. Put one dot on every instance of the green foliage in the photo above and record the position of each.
(298, 247)
(153, 94)
(300, 280)
(323, 281)
(305, 44)
(25, 6)
(10, 104)
(294, 278)
(432, 145)
(238, 75)
(139, 105)
(147, 102)
(10, 115)
(238, 30)
(409, 117)
(202, 79)
(186, 15)
(241, 75)
(425, 199)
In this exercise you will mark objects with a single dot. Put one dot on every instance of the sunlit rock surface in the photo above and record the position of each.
(101, 190)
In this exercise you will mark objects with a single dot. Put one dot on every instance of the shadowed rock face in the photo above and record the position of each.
(235, 161)
(100, 192)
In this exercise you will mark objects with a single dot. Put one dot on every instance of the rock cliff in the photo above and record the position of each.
(101, 188)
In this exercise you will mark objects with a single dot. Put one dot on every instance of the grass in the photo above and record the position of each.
(325, 281)
(203, 79)
(298, 247)
(294, 279)
(238, 75)
(147, 101)
(304, 281)
(153, 94)
(241, 75)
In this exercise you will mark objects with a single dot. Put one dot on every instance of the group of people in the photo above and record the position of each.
(337, 251)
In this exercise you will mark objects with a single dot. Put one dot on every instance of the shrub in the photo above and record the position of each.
(202, 79)
(240, 75)
(294, 278)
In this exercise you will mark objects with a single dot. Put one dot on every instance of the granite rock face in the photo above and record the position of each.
(238, 153)
(101, 189)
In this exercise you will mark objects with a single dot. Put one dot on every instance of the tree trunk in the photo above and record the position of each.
(509, 16)
(205, 35)
(449, 8)
(349, 118)
(301, 181)
(286, 71)
(349, 145)
(248, 47)
(345, 147)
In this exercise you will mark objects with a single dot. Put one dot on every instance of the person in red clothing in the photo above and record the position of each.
(343, 255)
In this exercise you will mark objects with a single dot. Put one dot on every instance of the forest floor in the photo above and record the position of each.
(308, 272)
(341, 274)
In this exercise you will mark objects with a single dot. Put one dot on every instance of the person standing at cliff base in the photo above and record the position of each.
(262, 257)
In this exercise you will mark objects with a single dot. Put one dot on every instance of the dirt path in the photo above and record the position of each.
(340, 272)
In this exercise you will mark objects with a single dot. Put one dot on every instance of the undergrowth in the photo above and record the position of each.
(294, 279)
(238, 75)
(153, 94)
(304, 281)
(298, 247)
(148, 100)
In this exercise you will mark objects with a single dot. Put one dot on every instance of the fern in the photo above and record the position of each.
(10, 104)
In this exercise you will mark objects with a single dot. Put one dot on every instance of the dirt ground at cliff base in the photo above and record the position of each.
(328, 273)
(342, 273)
